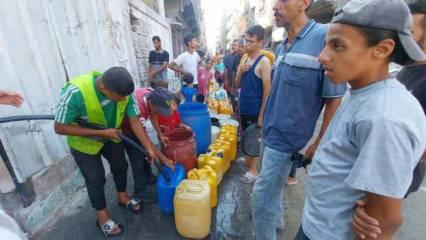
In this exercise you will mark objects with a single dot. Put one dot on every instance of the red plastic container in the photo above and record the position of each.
(181, 148)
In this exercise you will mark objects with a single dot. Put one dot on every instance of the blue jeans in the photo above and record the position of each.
(266, 201)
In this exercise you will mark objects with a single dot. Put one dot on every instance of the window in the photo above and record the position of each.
(152, 4)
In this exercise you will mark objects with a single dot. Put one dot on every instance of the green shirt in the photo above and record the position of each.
(71, 106)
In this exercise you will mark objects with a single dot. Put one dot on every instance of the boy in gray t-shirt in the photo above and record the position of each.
(378, 134)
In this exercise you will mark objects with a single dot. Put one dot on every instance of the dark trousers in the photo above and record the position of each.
(301, 235)
(293, 171)
(141, 169)
(247, 120)
(94, 173)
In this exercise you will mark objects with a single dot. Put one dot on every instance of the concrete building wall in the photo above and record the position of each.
(44, 44)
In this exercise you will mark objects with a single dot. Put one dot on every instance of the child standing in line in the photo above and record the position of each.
(204, 77)
(378, 134)
(220, 93)
(188, 93)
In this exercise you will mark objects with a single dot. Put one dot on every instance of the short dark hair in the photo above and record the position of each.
(257, 31)
(156, 38)
(417, 6)
(239, 41)
(201, 53)
(374, 36)
(187, 39)
(118, 80)
(188, 78)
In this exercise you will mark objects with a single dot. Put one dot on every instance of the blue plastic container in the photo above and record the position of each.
(196, 115)
(166, 190)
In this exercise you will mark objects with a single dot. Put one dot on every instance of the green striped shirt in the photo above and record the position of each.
(71, 106)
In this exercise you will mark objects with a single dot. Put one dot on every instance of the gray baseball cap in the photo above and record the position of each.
(384, 14)
(161, 98)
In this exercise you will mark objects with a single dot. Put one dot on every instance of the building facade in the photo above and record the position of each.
(185, 17)
(246, 13)
(44, 44)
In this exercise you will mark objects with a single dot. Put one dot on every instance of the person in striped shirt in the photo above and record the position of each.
(104, 99)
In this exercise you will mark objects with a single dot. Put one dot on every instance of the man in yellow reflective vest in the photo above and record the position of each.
(103, 99)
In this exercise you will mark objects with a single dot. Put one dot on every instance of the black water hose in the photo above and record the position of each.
(86, 124)
(26, 118)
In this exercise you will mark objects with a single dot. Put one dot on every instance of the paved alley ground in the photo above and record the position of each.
(230, 221)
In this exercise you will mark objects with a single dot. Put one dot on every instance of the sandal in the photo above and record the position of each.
(292, 181)
(248, 178)
(132, 205)
(108, 228)
(242, 160)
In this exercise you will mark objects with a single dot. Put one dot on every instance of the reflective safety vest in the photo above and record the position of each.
(95, 114)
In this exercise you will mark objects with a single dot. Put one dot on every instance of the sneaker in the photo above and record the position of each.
(146, 196)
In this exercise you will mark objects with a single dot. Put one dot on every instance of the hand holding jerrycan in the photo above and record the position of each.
(166, 187)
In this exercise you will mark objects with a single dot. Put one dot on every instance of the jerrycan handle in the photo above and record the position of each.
(193, 174)
(165, 175)
(195, 189)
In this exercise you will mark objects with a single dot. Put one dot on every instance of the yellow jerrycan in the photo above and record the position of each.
(225, 108)
(227, 146)
(229, 129)
(215, 162)
(220, 149)
(232, 140)
(192, 209)
(206, 174)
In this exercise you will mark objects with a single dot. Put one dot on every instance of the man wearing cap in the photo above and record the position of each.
(377, 136)
(150, 103)
(103, 99)
(299, 92)
(413, 77)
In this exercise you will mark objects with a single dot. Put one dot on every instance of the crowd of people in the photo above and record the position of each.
(368, 155)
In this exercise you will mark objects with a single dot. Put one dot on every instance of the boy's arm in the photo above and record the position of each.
(331, 106)
(176, 64)
(150, 74)
(75, 130)
(68, 110)
(143, 138)
(173, 66)
(154, 152)
(387, 211)
(11, 98)
(266, 83)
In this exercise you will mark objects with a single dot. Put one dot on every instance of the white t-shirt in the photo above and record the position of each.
(189, 63)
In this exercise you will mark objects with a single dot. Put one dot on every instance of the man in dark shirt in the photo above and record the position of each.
(232, 62)
(414, 76)
(158, 61)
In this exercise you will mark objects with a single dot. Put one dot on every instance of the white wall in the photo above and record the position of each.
(44, 43)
